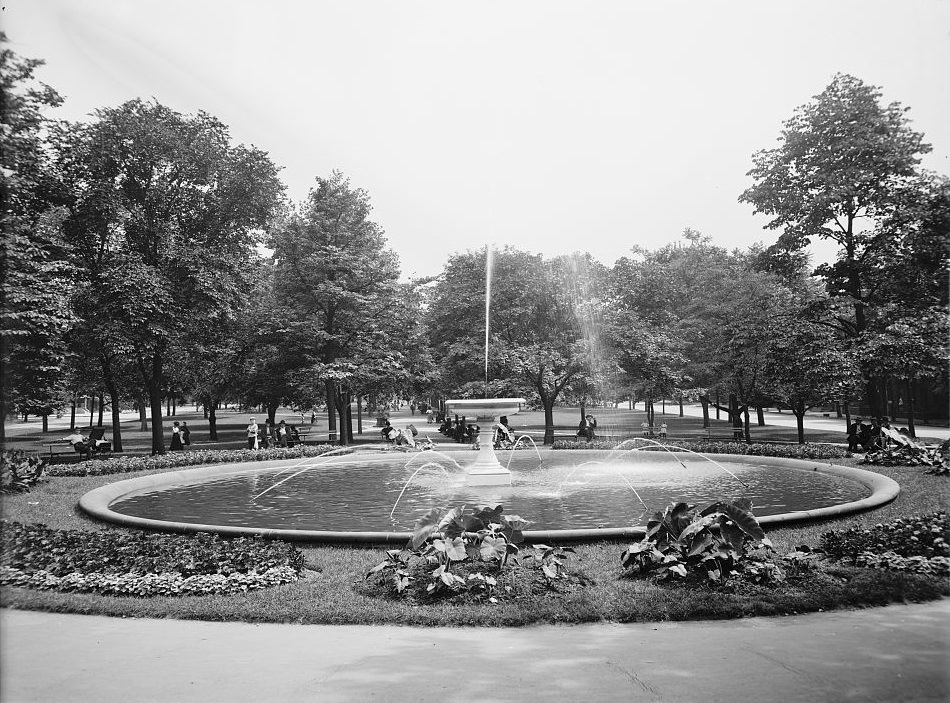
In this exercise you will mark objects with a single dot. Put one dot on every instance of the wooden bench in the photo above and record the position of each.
(64, 450)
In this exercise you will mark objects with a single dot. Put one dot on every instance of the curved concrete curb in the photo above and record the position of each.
(96, 503)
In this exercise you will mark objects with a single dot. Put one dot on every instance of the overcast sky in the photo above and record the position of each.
(551, 126)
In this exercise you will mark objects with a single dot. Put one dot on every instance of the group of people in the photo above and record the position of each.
(404, 438)
(86, 446)
(271, 435)
(181, 435)
(874, 436)
(459, 429)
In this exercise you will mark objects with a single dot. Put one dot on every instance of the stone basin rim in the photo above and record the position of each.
(97, 501)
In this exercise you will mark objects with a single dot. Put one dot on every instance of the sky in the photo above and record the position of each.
(550, 126)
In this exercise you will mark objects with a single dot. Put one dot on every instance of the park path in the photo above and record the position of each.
(895, 653)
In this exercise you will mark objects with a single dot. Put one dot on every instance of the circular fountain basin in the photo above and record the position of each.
(569, 496)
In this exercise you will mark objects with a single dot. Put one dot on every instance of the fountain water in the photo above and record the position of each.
(486, 470)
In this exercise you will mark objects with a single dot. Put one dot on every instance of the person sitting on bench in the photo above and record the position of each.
(78, 442)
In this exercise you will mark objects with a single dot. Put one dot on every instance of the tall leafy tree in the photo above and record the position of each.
(34, 274)
(844, 169)
(175, 210)
(336, 279)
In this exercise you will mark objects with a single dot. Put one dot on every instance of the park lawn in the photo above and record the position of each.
(332, 589)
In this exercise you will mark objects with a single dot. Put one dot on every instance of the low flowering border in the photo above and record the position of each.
(176, 460)
(135, 584)
(705, 446)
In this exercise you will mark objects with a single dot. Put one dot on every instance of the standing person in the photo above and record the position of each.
(176, 437)
(252, 434)
(854, 429)
(185, 434)
(282, 434)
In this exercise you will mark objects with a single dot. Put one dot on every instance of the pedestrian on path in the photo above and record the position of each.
(185, 434)
(176, 437)
(252, 434)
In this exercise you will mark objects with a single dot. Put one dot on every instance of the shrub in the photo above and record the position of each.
(904, 451)
(714, 544)
(174, 460)
(140, 563)
(19, 471)
(451, 553)
(705, 446)
(920, 544)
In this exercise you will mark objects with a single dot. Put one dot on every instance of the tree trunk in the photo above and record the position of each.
(704, 401)
(800, 421)
(717, 404)
(847, 415)
(339, 401)
(45, 422)
(349, 417)
(143, 422)
(745, 425)
(152, 375)
(681, 405)
(272, 405)
(760, 416)
(359, 414)
(548, 420)
(72, 414)
(583, 408)
(102, 406)
(211, 406)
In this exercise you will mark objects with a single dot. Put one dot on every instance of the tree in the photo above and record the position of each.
(177, 210)
(808, 366)
(34, 275)
(537, 346)
(845, 168)
(334, 272)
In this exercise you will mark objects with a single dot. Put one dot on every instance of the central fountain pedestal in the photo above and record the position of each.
(486, 470)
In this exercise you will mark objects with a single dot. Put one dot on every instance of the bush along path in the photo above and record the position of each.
(130, 563)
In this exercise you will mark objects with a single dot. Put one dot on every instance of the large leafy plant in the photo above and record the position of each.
(453, 551)
(19, 471)
(721, 540)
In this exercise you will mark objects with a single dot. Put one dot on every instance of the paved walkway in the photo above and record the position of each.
(897, 653)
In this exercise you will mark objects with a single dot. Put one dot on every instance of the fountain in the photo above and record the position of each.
(486, 470)
(354, 498)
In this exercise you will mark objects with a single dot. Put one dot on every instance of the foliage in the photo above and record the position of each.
(142, 564)
(34, 273)
(901, 450)
(20, 470)
(715, 543)
(918, 543)
(452, 552)
(164, 215)
(706, 446)
(174, 460)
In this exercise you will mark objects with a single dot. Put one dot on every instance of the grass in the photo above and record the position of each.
(333, 590)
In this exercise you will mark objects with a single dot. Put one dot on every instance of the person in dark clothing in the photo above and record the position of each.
(185, 434)
(586, 427)
(176, 437)
(854, 431)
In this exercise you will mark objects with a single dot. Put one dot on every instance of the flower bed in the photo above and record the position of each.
(919, 544)
(175, 460)
(119, 563)
(706, 446)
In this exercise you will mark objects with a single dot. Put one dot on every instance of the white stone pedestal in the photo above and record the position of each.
(486, 470)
